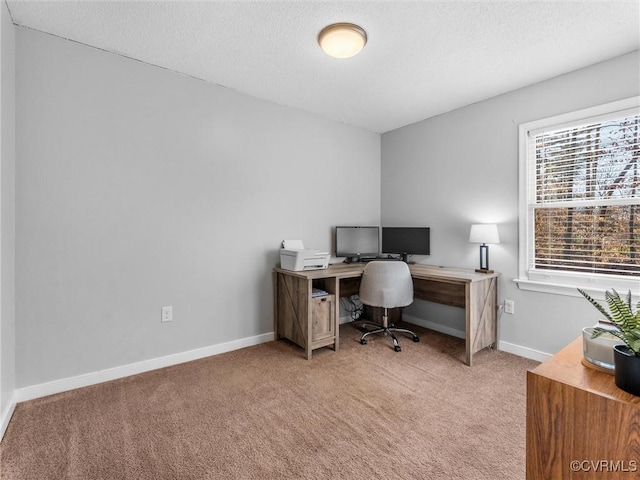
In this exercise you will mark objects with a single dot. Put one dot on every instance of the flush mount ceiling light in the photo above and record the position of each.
(342, 40)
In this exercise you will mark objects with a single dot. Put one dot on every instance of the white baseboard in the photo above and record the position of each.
(524, 351)
(438, 327)
(71, 383)
(421, 322)
(5, 416)
(504, 346)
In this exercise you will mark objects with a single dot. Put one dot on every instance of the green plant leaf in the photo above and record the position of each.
(620, 313)
(596, 304)
(635, 346)
(616, 333)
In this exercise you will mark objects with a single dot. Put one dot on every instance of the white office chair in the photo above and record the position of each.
(386, 284)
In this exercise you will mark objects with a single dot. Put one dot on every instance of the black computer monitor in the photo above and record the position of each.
(355, 242)
(406, 241)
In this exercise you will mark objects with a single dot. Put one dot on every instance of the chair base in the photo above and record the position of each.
(388, 330)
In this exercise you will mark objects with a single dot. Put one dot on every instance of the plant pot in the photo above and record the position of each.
(599, 350)
(627, 369)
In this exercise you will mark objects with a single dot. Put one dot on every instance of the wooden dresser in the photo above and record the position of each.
(579, 424)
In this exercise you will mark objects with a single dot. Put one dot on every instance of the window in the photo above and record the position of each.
(580, 201)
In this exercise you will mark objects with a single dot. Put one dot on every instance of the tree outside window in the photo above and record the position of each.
(581, 198)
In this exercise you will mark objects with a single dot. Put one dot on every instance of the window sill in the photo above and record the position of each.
(594, 291)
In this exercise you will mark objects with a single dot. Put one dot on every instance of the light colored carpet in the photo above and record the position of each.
(265, 412)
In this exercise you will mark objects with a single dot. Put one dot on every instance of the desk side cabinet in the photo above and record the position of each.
(309, 322)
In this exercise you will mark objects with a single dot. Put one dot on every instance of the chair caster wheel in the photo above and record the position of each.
(363, 341)
(396, 348)
(416, 339)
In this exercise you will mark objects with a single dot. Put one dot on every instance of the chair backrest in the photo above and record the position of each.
(386, 284)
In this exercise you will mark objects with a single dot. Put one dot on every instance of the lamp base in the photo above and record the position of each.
(483, 270)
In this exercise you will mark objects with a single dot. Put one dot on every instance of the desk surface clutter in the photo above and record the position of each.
(312, 322)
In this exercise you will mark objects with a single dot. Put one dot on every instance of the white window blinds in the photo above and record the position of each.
(584, 195)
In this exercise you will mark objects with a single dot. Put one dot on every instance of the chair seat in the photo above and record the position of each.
(386, 285)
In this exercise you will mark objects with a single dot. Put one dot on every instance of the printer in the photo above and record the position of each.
(293, 256)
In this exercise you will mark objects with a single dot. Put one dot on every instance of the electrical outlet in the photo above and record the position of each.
(167, 314)
(509, 306)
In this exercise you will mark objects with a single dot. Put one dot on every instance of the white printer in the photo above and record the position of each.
(293, 256)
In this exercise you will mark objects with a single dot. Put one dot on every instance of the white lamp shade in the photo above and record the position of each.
(484, 233)
(342, 40)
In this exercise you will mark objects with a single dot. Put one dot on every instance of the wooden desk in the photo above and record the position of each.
(476, 293)
(577, 414)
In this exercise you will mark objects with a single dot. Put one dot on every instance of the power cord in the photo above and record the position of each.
(353, 306)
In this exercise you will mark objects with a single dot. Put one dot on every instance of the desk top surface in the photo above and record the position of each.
(566, 367)
(349, 270)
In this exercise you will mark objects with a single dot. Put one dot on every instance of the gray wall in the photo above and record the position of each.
(137, 187)
(460, 168)
(7, 205)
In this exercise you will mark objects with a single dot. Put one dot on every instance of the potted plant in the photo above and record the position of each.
(627, 322)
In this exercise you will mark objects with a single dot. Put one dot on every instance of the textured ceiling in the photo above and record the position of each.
(423, 58)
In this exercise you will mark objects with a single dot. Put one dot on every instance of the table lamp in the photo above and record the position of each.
(484, 233)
